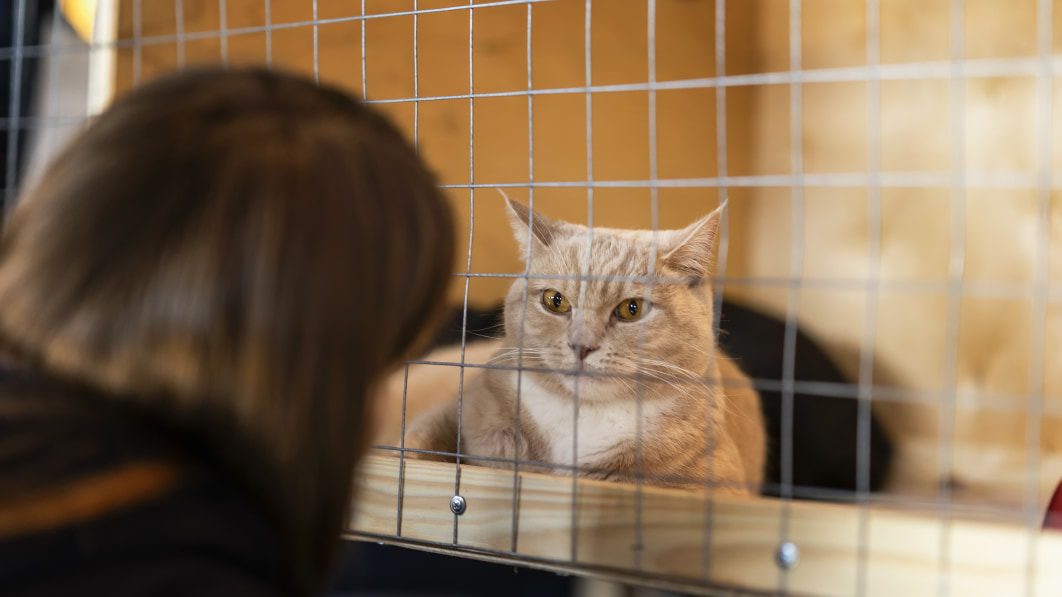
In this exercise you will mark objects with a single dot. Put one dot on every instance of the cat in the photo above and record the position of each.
(825, 431)
(609, 327)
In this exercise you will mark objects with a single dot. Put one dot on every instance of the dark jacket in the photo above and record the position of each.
(96, 499)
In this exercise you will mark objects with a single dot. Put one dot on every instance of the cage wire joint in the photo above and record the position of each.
(787, 556)
(457, 505)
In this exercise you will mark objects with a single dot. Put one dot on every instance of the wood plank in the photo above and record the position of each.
(909, 552)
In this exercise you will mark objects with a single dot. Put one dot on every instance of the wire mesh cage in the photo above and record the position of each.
(888, 174)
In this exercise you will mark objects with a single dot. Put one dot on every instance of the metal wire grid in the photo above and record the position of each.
(871, 73)
(15, 99)
(869, 335)
(796, 267)
(1038, 342)
(956, 269)
(958, 69)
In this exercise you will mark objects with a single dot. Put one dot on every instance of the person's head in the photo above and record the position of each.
(243, 253)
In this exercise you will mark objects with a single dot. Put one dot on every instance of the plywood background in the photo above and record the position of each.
(620, 120)
(994, 365)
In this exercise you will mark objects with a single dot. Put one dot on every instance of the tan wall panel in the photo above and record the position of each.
(912, 347)
(685, 118)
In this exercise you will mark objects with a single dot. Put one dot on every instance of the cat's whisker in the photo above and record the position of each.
(514, 358)
(670, 367)
(683, 385)
(515, 354)
(484, 336)
(664, 374)
(669, 382)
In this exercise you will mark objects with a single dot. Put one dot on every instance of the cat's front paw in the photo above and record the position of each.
(425, 446)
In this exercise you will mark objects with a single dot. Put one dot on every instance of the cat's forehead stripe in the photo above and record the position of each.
(614, 259)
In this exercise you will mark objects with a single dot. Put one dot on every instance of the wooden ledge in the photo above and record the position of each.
(691, 542)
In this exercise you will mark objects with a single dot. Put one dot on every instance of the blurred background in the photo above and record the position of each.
(906, 217)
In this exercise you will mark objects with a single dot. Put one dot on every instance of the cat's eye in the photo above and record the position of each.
(555, 301)
(631, 309)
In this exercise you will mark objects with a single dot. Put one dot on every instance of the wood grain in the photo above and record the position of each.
(897, 552)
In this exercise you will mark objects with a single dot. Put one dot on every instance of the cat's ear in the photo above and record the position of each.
(692, 252)
(543, 230)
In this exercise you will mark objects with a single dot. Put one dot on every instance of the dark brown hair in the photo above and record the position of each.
(244, 253)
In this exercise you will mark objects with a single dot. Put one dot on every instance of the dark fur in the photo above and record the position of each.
(824, 428)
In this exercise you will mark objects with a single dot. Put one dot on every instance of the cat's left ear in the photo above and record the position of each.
(692, 252)
(530, 226)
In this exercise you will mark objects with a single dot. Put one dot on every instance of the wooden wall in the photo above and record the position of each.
(685, 122)
(984, 360)
(983, 351)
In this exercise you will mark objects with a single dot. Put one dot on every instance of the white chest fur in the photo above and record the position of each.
(601, 428)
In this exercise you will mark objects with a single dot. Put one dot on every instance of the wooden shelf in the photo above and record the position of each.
(692, 543)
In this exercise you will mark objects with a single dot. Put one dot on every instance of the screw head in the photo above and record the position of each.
(457, 505)
(787, 555)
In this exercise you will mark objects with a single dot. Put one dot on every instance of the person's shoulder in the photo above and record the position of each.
(123, 507)
(200, 537)
(172, 577)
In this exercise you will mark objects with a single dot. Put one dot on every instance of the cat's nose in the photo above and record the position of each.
(583, 350)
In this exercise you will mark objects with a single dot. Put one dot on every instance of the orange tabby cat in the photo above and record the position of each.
(610, 359)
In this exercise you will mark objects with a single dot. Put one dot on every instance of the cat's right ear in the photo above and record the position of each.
(529, 224)
(693, 255)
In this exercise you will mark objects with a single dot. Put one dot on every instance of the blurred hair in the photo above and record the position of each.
(243, 254)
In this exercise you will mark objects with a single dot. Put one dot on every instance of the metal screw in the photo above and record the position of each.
(787, 555)
(457, 505)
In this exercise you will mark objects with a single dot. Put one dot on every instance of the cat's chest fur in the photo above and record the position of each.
(602, 428)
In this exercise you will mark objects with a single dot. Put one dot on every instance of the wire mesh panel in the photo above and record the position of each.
(888, 175)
